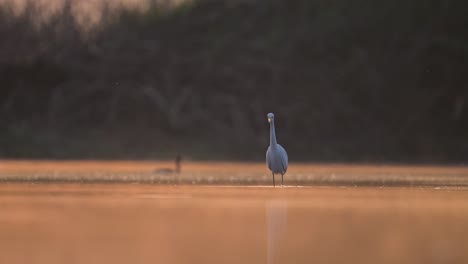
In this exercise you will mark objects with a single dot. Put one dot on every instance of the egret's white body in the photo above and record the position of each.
(276, 156)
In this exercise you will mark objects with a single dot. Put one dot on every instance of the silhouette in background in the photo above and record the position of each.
(177, 169)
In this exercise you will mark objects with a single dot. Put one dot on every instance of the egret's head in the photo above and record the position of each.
(270, 116)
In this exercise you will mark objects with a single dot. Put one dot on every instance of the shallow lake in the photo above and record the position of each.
(141, 212)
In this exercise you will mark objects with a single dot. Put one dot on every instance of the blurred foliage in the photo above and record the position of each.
(356, 80)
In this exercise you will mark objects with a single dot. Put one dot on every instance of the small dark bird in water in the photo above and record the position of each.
(178, 167)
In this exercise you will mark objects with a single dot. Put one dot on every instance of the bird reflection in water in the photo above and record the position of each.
(277, 223)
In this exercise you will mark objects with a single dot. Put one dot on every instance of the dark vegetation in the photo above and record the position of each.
(359, 80)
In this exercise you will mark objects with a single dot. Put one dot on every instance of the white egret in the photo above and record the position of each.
(276, 156)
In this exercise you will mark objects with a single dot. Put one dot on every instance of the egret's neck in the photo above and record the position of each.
(272, 134)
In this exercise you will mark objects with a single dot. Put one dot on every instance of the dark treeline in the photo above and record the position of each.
(359, 80)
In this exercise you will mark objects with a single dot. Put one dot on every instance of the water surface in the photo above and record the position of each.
(52, 212)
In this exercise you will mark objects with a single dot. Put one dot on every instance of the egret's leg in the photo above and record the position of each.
(282, 179)
(273, 179)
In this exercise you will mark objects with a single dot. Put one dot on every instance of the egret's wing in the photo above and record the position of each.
(284, 158)
(269, 158)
